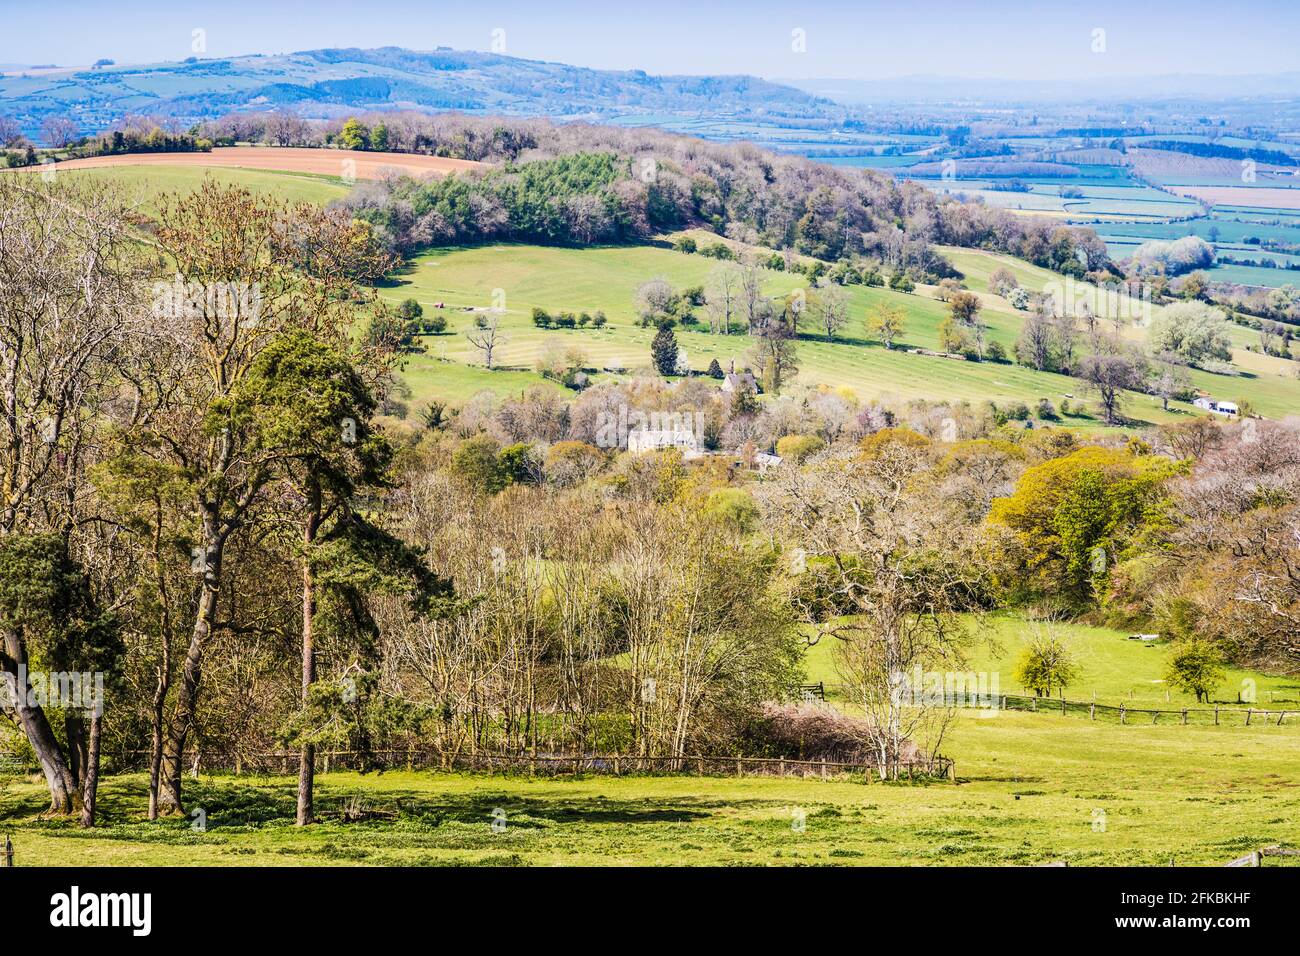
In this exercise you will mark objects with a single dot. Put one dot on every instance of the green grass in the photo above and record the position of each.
(147, 182)
(1031, 790)
(605, 279)
(1112, 668)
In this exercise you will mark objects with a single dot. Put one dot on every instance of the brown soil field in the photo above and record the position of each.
(321, 162)
(1262, 196)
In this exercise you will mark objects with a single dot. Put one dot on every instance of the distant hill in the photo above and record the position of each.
(333, 82)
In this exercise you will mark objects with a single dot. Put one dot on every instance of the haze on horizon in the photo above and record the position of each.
(999, 39)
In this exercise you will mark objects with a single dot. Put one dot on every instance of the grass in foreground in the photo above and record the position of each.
(1033, 788)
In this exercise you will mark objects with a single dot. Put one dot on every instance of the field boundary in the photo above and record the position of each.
(1205, 715)
(284, 762)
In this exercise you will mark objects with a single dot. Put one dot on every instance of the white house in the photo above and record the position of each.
(763, 461)
(1220, 408)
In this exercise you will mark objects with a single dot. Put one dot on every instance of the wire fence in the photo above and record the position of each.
(1124, 714)
(285, 762)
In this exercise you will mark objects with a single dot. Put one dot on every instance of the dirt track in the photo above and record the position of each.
(325, 162)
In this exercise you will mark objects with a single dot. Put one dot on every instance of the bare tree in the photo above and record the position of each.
(69, 293)
(830, 306)
(722, 295)
(897, 565)
(487, 335)
(59, 131)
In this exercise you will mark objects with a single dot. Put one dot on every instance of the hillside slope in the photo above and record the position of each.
(333, 82)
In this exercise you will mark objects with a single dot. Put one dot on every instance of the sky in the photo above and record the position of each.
(852, 39)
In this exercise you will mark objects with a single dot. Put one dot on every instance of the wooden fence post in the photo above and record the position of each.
(1092, 711)
(1216, 715)
(740, 767)
(1249, 711)
(9, 851)
(1184, 716)
(824, 768)
(1121, 712)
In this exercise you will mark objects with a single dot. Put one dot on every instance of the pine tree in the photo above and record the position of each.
(663, 351)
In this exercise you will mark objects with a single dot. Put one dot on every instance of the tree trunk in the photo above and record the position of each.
(307, 756)
(91, 786)
(58, 777)
(187, 698)
(74, 728)
(163, 687)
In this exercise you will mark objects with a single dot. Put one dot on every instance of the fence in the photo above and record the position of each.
(550, 764)
(1126, 714)
(1256, 857)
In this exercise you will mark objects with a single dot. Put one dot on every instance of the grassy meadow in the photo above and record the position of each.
(1031, 789)
(1112, 668)
(605, 279)
(148, 182)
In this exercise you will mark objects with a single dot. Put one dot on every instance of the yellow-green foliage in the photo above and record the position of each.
(1073, 517)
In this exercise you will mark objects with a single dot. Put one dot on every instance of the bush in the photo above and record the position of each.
(796, 448)
(541, 318)
(995, 352)
(1046, 665)
(810, 732)
(1195, 666)
(685, 244)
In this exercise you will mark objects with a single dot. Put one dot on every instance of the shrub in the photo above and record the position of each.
(1195, 666)
(798, 447)
(1046, 665)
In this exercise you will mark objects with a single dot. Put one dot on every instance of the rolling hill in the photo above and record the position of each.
(333, 82)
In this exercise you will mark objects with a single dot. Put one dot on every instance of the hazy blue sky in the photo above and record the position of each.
(864, 39)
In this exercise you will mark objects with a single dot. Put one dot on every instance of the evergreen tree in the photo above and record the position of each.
(663, 351)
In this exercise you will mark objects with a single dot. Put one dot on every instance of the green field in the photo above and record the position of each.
(557, 279)
(1112, 668)
(147, 182)
(1032, 788)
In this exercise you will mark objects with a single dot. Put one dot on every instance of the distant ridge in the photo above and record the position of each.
(333, 82)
